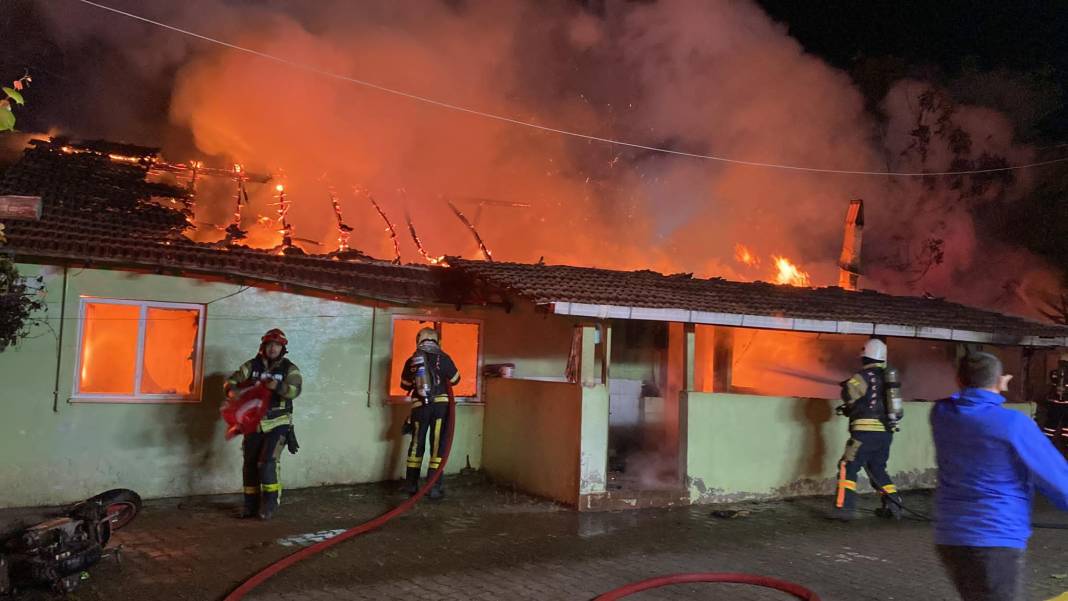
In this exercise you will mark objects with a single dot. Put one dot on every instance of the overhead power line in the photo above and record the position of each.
(555, 130)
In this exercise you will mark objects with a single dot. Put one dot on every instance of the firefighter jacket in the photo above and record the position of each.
(864, 394)
(283, 371)
(440, 370)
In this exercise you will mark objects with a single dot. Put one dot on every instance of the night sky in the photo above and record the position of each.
(937, 39)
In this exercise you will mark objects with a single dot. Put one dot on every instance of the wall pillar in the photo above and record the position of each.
(722, 359)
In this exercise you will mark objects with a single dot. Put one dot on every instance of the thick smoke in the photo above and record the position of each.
(711, 77)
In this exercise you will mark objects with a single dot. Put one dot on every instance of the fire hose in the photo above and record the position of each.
(722, 577)
(263, 575)
(725, 577)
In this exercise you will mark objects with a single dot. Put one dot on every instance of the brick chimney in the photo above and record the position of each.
(849, 263)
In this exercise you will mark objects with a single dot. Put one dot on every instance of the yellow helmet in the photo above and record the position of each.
(426, 334)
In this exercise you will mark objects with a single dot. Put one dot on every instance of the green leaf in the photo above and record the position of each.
(7, 120)
(14, 94)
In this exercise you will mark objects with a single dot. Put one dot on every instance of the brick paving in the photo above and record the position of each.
(487, 543)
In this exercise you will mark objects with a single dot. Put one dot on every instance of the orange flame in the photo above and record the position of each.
(743, 256)
(789, 273)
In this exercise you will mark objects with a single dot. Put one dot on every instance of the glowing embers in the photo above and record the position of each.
(744, 256)
(131, 349)
(790, 274)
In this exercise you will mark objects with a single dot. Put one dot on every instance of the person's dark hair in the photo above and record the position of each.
(979, 370)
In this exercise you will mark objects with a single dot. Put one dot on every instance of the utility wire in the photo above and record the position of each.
(545, 128)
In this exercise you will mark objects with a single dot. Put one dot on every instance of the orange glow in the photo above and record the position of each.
(459, 340)
(280, 187)
(109, 348)
(170, 349)
(743, 256)
(793, 364)
(790, 274)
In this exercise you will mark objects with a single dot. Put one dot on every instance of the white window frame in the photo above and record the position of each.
(137, 396)
(477, 398)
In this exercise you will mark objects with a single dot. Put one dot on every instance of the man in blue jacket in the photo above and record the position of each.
(990, 460)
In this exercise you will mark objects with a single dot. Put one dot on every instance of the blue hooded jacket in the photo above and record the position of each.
(990, 460)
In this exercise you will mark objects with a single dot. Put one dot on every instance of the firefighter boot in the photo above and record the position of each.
(251, 505)
(842, 514)
(411, 481)
(268, 505)
(891, 508)
(438, 490)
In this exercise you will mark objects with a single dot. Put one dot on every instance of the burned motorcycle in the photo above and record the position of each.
(55, 553)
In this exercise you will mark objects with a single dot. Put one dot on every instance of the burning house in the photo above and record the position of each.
(620, 388)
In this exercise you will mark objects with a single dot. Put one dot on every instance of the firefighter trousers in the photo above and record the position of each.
(427, 420)
(870, 451)
(1056, 423)
(261, 469)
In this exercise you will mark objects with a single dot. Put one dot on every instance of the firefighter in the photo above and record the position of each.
(1055, 425)
(262, 449)
(872, 402)
(428, 376)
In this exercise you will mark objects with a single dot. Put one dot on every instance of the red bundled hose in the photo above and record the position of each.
(731, 577)
(262, 576)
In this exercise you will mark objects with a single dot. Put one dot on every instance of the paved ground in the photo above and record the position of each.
(485, 542)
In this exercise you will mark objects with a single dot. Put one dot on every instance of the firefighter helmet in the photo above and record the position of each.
(875, 349)
(274, 335)
(426, 334)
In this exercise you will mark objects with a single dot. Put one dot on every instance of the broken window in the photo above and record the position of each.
(138, 351)
(461, 340)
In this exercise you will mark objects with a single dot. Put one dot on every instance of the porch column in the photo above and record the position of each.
(722, 359)
(689, 360)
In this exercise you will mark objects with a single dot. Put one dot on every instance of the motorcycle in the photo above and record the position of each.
(57, 552)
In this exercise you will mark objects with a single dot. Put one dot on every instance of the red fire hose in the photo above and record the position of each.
(728, 577)
(260, 577)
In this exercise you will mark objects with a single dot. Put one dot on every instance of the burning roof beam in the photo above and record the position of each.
(343, 229)
(234, 231)
(201, 170)
(419, 244)
(485, 251)
(389, 226)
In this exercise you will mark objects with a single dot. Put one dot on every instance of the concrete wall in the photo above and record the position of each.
(532, 436)
(593, 459)
(752, 447)
(348, 430)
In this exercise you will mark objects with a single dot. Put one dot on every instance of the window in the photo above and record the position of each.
(136, 351)
(462, 340)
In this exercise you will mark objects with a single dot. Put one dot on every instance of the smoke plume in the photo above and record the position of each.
(700, 76)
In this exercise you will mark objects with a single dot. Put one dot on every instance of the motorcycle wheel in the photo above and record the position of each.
(121, 505)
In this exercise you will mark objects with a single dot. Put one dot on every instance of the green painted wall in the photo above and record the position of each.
(348, 432)
(751, 447)
(532, 436)
(593, 460)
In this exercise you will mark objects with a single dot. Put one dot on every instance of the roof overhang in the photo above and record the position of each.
(766, 322)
